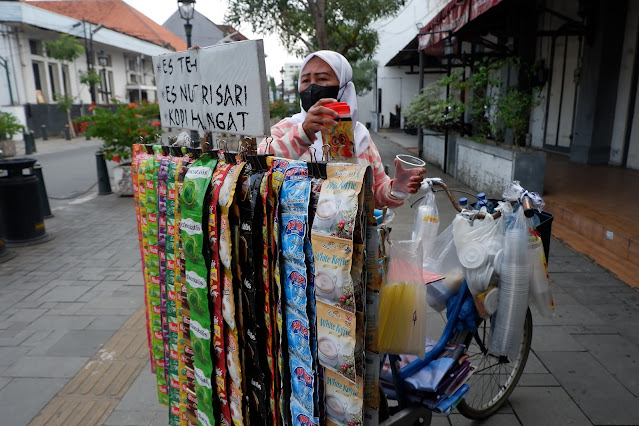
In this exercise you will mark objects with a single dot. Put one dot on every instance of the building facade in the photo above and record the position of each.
(32, 81)
(584, 54)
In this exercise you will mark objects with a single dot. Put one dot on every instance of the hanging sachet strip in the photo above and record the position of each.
(194, 202)
(252, 289)
(234, 370)
(216, 294)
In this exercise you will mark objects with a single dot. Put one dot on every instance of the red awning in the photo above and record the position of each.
(451, 19)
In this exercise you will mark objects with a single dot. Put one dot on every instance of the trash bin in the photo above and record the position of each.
(22, 222)
(4, 253)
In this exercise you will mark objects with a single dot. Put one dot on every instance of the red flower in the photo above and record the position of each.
(156, 123)
(92, 107)
(132, 105)
(116, 158)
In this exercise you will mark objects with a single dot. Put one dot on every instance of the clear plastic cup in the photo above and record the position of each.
(407, 168)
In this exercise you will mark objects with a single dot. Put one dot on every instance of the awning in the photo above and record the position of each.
(451, 19)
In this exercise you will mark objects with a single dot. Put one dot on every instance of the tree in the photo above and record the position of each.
(273, 87)
(364, 76)
(306, 26)
(65, 49)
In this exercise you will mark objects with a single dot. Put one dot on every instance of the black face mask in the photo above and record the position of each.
(314, 93)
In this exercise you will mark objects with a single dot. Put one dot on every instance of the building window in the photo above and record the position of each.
(66, 82)
(106, 85)
(54, 79)
(39, 82)
(35, 46)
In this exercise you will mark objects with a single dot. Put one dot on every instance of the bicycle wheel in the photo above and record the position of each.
(496, 376)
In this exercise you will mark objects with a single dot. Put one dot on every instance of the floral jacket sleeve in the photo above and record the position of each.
(290, 141)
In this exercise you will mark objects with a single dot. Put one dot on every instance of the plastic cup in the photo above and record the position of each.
(403, 174)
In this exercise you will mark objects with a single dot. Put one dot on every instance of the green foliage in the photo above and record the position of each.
(65, 48)
(432, 110)
(280, 109)
(306, 26)
(64, 102)
(364, 76)
(9, 125)
(121, 127)
(90, 78)
(272, 86)
(494, 108)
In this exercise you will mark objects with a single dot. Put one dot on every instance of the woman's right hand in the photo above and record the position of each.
(319, 118)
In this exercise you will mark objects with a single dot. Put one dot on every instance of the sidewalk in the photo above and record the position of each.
(56, 145)
(73, 348)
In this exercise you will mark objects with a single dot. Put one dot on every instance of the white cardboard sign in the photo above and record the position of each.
(219, 89)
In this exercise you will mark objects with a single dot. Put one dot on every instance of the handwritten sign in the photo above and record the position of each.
(219, 89)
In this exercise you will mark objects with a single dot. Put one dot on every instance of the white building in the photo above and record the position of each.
(119, 42)
(291, 73)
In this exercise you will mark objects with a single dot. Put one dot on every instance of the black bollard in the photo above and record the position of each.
(67, 133)
(45, 133)
(104, 184)
(29, 143)
(44, 198)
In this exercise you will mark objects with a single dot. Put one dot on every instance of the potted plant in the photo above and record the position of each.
(490, 150)
(119, 127)
(9, 126)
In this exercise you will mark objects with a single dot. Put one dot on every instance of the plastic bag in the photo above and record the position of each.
(402, 307)
(444, 261)
(540, 293)
(426, 223)
(480, 249)
(508, 321)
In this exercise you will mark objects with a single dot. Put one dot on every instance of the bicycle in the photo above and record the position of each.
(494, 378)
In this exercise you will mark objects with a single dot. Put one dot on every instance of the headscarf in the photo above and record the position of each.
(347, 94)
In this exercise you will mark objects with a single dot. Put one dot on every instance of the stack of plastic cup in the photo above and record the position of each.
(508, 321)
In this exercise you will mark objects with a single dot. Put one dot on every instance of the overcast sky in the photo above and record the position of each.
(161, 10)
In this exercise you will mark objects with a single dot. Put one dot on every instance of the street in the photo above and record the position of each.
(70, 172)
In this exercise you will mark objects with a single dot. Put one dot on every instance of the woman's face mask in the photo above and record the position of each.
(315, 92)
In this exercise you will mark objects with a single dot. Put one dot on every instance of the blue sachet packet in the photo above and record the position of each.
(298, 332)
(293, 231)
(302, 382)
(301, 416)
(295, 285)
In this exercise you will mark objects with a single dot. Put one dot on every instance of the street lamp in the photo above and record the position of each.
(282, 72)
(187, 11)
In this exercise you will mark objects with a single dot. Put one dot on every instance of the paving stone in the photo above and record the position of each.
(95, 292)
(559, 249)
(572, 264)
(617, 355)
(552, 338)
(9, 355)
(80, 343)
(571, 315)
(13, 296)
(4, 381)
(37, 391)
(109, 312)
(40, 348)
(439, 420)
(533, 365)
(585, 279)
(16, 340)
(537, 380)
(593, 295)
(36, 338)
(546, 406)
(63, 294)
(46, 366)
(494, 420)
(108, 322)
(121, 418)
(60, 322)
(109, 302)
(602, 398)
(27, 315)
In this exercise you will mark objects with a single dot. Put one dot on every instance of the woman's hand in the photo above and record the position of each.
(415, 181)
(319, 119)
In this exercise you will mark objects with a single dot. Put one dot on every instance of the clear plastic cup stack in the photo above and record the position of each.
(508, 321)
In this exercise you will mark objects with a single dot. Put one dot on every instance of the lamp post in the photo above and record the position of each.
(187, 11)
(88, 48)
(282, 72)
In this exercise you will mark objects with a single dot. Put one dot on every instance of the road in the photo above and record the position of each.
(72, 172)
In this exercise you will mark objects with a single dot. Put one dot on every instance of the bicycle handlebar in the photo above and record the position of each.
(439, 182)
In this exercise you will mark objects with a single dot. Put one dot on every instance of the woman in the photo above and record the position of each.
(326, 78)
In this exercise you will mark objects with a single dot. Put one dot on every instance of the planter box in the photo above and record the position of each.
(489, 168)
(8, 147)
